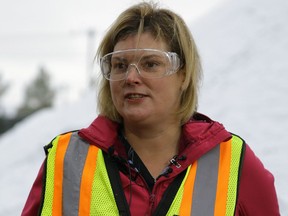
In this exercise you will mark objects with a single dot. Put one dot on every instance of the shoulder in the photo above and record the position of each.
(201, 128)
(254, 168)
(257, 194)
(101, 133)
(61, 139)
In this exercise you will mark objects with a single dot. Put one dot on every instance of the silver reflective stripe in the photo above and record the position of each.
(205, 185)
(73, 167)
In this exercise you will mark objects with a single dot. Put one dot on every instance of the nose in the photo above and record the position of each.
(132, 74)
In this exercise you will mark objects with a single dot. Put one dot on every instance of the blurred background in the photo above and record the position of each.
(59, 39)
(48, 83)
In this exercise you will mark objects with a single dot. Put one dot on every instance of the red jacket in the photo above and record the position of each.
(256, 197)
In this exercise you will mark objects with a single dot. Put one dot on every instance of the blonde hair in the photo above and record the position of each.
(162, 24)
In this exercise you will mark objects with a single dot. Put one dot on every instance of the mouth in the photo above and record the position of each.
(134, 96)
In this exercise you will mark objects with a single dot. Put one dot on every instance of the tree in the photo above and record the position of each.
(38, 95)
(5, 122)
(3, 88)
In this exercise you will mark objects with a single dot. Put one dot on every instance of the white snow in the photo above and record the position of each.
(243, 45)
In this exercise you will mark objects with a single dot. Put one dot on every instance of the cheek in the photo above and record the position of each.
(113, 91)
(172, 88)
(174, 92)
(114, 87)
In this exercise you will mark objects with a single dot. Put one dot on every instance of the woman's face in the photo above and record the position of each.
(146, 101)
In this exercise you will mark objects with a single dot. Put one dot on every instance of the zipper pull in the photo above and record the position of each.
(175, 162)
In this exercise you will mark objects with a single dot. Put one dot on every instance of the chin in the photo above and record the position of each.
(136, 118)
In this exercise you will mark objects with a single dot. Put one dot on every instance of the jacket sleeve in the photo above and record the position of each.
(257, 194)
(33, 201)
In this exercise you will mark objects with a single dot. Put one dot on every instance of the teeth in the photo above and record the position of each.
(135, 96)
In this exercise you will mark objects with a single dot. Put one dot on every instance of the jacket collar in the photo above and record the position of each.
(102, 133)
(200, 134)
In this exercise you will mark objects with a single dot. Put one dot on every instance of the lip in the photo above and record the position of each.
(134, 96)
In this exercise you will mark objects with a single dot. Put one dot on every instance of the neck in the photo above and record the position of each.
(154, 145)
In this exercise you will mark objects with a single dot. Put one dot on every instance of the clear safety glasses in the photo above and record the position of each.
(149, 63)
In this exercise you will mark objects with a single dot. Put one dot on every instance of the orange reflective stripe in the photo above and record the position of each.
(58, 177)
(87, 181)
(187, 197)
(223, 178)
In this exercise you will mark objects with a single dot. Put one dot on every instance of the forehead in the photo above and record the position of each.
(142, 41)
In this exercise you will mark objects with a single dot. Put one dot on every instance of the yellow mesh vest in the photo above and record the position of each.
(93, 191)
(225, 197)
(77, 182)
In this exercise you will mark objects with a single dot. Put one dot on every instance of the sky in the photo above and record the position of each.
(54, 35)
(243, 46)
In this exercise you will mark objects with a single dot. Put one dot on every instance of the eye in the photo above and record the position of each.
(118, 66)
(151, 65)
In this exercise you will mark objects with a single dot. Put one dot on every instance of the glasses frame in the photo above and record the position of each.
(173, 58)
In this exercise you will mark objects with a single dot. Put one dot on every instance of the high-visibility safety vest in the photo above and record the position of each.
(77, 181)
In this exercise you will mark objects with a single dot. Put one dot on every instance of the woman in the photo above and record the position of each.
(149, 152)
